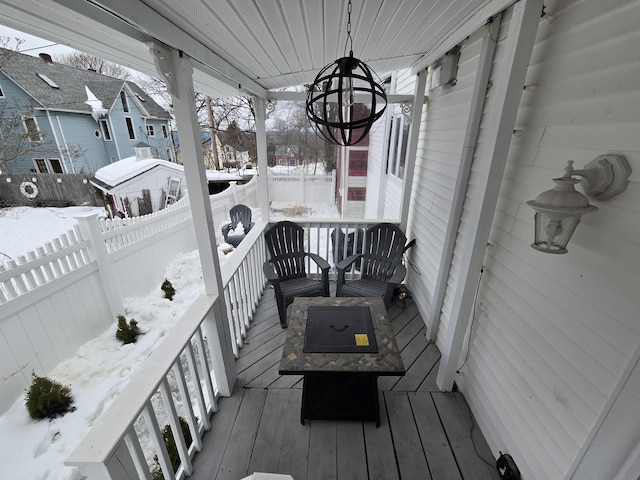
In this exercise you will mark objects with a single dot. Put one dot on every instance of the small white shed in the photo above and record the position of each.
(142, 184)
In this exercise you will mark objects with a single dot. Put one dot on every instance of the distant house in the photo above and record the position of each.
(71, 120)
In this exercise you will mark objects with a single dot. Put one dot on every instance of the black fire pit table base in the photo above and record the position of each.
(340, 396)
(340, 366)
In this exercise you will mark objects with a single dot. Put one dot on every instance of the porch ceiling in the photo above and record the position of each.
(255, 44)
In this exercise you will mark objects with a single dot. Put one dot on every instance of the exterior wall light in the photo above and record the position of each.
(558, 211)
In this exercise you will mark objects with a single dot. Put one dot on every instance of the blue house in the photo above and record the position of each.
(60, 119)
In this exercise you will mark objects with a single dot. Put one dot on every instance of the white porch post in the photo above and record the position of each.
(508, 89)
(261, 148)
(412, 148)
(175, 68)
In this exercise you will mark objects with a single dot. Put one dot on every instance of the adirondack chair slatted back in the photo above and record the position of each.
(241, 214)
(383, 250)
(285, 241)
(238, 214)
(381, 268)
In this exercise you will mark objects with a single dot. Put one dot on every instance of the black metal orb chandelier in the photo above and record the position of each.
(332, 108)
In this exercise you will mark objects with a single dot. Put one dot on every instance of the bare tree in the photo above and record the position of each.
(90, 62)
(8, 48)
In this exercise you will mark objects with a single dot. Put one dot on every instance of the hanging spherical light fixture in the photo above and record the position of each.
(331, 104)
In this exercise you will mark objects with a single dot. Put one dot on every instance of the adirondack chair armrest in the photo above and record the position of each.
(324, 268)
(343, 265)
(398, 275)
(270, 272)
(226, 228)
(321, 262)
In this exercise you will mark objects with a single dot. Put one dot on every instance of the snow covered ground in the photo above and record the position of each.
(31, 450)
(23, 229)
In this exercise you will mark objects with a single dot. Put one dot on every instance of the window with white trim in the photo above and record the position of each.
(106, 133)
(151, 131)
(1, 92)
(48, 165)
(123, 98)
(397, 145)
(130, 129)
(31, 127)
(165, 131)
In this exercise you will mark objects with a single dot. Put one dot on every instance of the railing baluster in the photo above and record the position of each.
(197, 386)
(178, 371)
(178, 437)
(156, 437)
(137, 455)
(204, 362)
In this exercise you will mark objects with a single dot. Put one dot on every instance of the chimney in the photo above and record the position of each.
(46, 58)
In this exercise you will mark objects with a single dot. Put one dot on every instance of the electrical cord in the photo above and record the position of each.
(473, 318)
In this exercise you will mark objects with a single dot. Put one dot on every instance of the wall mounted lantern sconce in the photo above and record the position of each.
(558, 211)
(332, 107)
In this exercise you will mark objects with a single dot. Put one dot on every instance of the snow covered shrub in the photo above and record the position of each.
(172, 449)
(47, 398)
(168, 289)
(127, 332)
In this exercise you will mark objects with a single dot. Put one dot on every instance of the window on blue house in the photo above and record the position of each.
(48, 165)
(165, 131)
(151, 131)
(125, 104)
(31, 126)
(1, 92)
(106, 133)
(130, 129)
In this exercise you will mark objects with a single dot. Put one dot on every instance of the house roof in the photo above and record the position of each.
(256, 46)
(61, 87)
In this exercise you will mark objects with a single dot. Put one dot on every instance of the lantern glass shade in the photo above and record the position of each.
(552, 236)
(345, 101)
(558, 213)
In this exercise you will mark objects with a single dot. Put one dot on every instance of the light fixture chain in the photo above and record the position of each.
(349, 39)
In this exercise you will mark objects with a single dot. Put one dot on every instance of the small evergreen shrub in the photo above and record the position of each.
(127, 332)
(47, 398)
(172, 449)
(168, 289)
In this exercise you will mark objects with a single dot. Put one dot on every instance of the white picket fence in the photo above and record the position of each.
(302, 188)
(68, 291)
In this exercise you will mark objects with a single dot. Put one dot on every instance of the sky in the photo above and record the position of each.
(34, 45)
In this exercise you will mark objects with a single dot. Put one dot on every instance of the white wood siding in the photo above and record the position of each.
(553, 335)
(438, 157)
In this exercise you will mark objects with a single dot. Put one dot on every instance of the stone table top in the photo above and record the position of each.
(295, 361)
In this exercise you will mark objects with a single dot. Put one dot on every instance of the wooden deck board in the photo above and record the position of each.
(270, 432)
(442, 463)
(423, 433)
(237, 455)
(464, 436)
(294, 454)
(410, 456)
